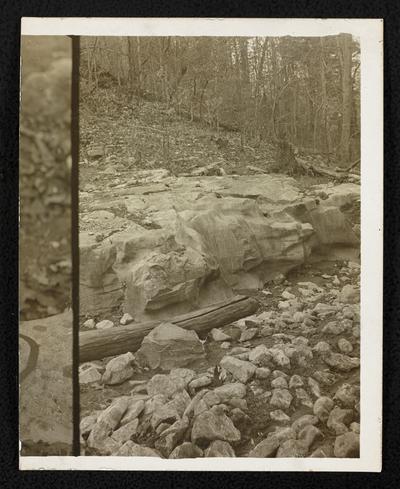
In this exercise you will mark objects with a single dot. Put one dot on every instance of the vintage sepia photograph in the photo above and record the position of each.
(228, 293)
(220, 264)
(45, 332)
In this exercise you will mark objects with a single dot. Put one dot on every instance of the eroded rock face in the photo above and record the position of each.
(208, 236)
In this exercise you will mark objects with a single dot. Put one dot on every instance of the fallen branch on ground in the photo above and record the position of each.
(94, 345)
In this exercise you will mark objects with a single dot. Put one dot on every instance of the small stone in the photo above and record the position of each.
(287, 295)
(89, 324)
(107, 421)
(266, 331)
(105, 324)
(279, 373)
(248, 335)
(279, 358)
(87, 424)
(339, 419)
(298, 317)
(347, 445)
(228, 392)
(154, 403)
(262, 373)
(202, 381)
(135, 407)
(326, 451)
(309, 434)
(295, 381)
(314, 387)
(303, 421)
(355, 427)
(89, 375)
(131, 449)
(347, 395)
(279, 416)
(322, 347)
(119, 369)
(211, 399)
(265, 449)
(225, 345)
(304, 398)
(126, 319)
(126, 431)
(219, 448)
(184, 374)
(241, 370)
(340, 362)
(292, 449)
(279, 383)
(322, 407)
(260, 356)
(281, 398)
(349, 295)
(218, 335)
(200, 407)
(186, 450)
(345, 346)
(164, 384)
(325, 377)
(213, 425)
(334, 327)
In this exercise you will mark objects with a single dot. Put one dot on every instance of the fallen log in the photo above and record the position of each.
(94, 345)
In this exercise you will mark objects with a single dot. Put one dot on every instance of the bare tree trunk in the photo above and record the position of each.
(344, 147)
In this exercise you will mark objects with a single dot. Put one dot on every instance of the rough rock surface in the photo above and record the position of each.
(168, 346)
(202, 244)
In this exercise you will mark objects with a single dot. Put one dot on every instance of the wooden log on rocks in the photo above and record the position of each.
(97, 344)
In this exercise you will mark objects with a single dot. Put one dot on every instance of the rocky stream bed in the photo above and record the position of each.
(283, 382)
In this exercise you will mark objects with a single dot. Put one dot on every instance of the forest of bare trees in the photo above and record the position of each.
(305, 91)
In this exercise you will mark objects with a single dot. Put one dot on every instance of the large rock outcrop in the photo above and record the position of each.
(190, 242)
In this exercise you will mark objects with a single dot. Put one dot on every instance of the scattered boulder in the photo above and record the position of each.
(279, 416)
(349, 295)
(303, 421)
(107, 421)
(131, 449)
(265, 449)
(119, 369)
(260, 356)
(168, 346)
(345, 346)
(186, 450)
(241, 370)
(105, 324)
(339, 419)
(219, 448)
(213, 425)
(135, 407)
(322, 407)
(88, 374)
(347, 445)
(310, 434)
(165, 385)
(347, 395)
(281, 398)
(228, 392)
(293, 449)
(248, 334)
(125, 432)
(340, 362)
(126, 319)
(218, 335)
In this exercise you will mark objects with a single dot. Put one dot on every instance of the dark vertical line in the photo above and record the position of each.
(75, 243)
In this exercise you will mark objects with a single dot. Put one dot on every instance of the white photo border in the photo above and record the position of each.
(370, 34)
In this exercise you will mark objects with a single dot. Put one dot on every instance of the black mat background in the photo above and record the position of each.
(10, 13)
